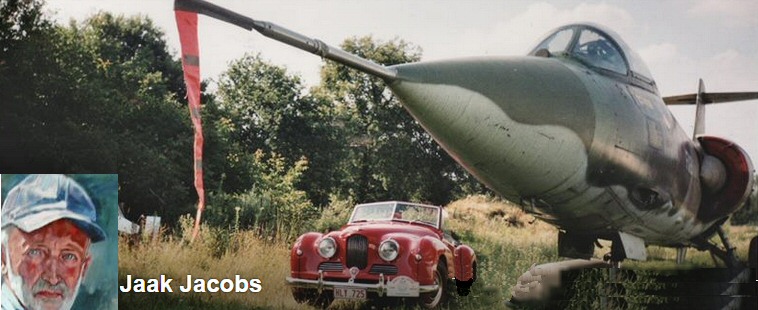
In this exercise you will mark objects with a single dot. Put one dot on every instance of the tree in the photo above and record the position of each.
(748, 213)
(273, 206)
(267, 109)
(100, 96)
(136, 91)
(389, 156)
(45, 84)
(19, 20)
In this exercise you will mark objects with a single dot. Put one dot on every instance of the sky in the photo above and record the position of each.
(680, 41)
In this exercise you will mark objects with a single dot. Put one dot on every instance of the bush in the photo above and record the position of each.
(273, 207)
(748, 214)
(335, 215)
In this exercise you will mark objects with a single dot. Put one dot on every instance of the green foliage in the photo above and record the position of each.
(266, 108)
(259, 98)
(136, 74)
(105, 95)
(19, 20)
(274, 207)
(335, 215)
(131, 55)
(387, 154)
(748, 214)
(102, 95)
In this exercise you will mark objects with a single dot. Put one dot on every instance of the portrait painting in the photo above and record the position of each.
(59, 241)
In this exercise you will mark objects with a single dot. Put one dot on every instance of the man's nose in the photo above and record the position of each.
(50, 273)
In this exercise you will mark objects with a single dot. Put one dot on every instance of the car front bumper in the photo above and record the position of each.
(400, 286)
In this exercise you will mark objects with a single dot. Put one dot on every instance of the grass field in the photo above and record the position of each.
(507, 242)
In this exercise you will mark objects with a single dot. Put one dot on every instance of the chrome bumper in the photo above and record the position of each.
(379, 288)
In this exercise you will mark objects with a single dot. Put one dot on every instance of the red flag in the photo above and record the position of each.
(187, 24)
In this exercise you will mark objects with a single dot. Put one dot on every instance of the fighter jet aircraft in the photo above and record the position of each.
(575, 132)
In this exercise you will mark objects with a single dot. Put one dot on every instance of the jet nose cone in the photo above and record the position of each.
(520, 125)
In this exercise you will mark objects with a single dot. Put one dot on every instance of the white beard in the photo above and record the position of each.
(26, 298)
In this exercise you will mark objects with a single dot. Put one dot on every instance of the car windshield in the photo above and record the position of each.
(397, 211)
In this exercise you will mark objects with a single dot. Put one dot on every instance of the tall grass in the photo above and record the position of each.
(215, 254)
(506, 240)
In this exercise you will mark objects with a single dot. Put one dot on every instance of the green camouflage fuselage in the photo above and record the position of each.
(578, 149)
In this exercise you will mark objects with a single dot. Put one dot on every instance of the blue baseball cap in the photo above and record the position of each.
(41, 199)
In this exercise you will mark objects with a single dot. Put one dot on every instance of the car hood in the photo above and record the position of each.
(384, 228)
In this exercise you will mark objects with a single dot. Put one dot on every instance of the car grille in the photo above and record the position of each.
(330, 266)
(384, 269)
(357, 251)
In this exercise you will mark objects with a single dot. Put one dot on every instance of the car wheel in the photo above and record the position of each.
(464, 287)
(434, 299)
(312, 297)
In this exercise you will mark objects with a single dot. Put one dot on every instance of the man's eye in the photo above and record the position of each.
(34, 252)
(70, 257)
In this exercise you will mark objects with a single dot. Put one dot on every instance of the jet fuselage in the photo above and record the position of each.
(581, 150)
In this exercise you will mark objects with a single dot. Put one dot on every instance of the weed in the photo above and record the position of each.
(504, 251)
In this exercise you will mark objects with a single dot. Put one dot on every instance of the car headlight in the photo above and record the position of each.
(388, 250)
(327, 247)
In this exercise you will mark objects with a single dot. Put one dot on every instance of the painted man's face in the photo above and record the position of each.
(47, 265)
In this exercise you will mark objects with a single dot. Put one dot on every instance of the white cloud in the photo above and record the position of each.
(676, 72)
(733, 13)
(659, 53)
(518, 34)
(732, 71)
(673, 71)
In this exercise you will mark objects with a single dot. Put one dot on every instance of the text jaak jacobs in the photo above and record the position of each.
(196, 285)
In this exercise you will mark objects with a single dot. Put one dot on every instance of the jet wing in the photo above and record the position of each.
(711, 98)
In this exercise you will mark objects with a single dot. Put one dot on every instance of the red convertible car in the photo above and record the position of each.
(386, 250)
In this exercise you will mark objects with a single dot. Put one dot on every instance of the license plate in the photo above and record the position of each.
(402, 286)
(349, 293)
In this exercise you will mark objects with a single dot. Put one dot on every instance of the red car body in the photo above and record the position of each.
(425, 257)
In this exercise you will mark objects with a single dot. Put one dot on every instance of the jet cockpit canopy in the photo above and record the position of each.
(597, 47)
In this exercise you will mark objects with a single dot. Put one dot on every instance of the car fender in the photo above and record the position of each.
(431, 250)
(465, 258)
(306, 243)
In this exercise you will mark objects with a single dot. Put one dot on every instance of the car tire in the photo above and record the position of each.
(464, 287)
(435, 299)
(312, 297)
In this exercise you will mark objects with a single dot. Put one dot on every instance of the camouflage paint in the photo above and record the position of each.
(568, 143)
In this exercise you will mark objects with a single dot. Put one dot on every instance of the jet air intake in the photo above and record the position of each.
(712, 174)
(726, 176)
